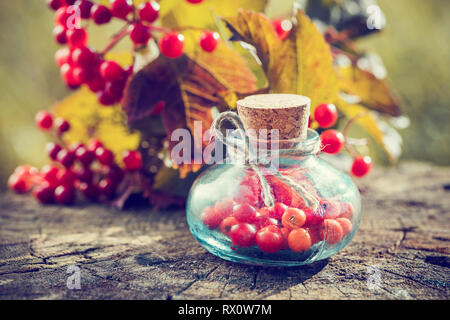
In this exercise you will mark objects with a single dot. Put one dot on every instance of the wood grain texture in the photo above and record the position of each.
(140, 254)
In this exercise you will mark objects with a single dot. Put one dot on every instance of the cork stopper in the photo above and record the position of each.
(289, 113)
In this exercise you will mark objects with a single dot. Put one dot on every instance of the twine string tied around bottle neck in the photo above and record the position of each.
(307, 149)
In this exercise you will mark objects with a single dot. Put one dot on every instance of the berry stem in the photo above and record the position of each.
(116, 38)
(350, 142)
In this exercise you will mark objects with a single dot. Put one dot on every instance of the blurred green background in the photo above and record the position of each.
(414, 47)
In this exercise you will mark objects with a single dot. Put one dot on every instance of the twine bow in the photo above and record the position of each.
(313, 148)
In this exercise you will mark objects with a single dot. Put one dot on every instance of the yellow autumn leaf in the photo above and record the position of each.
(373, 126)
(88, 119)
(300, 64)
(180, 13)
(373, 92)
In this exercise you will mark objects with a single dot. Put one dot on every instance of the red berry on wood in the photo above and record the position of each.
(100, 14)
(120, 8)
(18, 184)
(89, 190)
(132, 160)
(243, 234)
(43, 193)
(139, 34)
(60, 34)
(209, 41)
(269, 239)
(111, 71)
(85, 7)
(107, 187)
(332, 141)
(171, 44)
(62, 125)
(77, 37)
(326, 115)
(50, 174)
(66, 177)
(361, 166)
(62, 56)
(52, 150)
(64, 195)
(84, 174)
(94, 144)
(104, 156)
(44, 120)
(66, 158)
(149, 11)
(85, 156)
(115, 173)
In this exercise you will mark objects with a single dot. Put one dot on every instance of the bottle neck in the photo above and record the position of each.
(262, 151)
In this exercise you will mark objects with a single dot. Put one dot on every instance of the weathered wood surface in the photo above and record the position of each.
(404, 236)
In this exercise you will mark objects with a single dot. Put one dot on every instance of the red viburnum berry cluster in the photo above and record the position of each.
(81, 64)
(288, 225)
(333, 141)
(89, 169)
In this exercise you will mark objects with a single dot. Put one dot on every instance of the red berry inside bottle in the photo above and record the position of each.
(243, 234)
(293, 218)
(171, 45)
(326, 115)
(244, 213)
(211, 218)
(269, 239)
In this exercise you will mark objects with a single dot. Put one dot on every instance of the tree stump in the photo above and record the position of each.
(401, 250)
